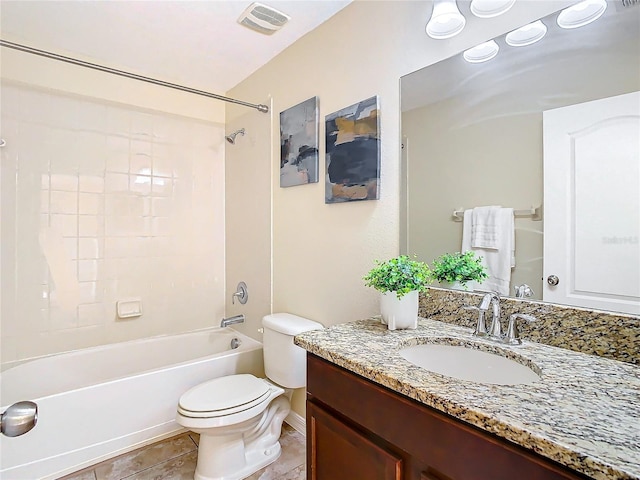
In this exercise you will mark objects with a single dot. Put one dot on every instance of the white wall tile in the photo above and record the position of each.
(117, 162)
(91, 292)
(140, 163)
(162, 187)
(161, 207)
(89, 270)
(67, 225)
(63, 202)
(61, 319)
(91, 204)
(62, 160)
(71, 248)
(116, 182)
(90, 225)
(118, 121)
(162, 164)
(142, 125)
(8, 348)
(141, 148)
(90, 248)
(100, 180)
(91, 183)
(63, 182)
(91, 314)
(140, 184)
(44, 201)
(116, 204)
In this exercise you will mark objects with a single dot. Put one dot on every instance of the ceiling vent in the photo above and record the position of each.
(263, 19)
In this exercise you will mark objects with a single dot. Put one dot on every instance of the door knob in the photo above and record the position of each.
(18, 419)
(553, 280)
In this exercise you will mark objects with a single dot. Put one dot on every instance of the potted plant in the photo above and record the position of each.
(456, 269)
(399, 280)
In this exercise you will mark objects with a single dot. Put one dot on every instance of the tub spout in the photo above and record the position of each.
(231, 320)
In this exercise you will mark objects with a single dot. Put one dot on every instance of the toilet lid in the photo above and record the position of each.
(224, 393)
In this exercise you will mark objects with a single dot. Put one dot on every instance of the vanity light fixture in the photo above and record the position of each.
(490, 8)
(582, 13)
(481, 53)
(526, 35)
(446, 20)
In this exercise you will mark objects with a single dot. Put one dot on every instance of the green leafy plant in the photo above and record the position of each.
(401, 275)
(459, 267)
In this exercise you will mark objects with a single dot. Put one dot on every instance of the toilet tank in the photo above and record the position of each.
(284, 362)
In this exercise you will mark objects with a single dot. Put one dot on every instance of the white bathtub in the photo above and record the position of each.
(100, 402)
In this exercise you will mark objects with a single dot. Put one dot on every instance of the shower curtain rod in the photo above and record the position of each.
(101, 68)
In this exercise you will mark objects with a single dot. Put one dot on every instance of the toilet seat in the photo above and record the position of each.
(224, 396)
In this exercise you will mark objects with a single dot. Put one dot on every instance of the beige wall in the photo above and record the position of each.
(320, 252)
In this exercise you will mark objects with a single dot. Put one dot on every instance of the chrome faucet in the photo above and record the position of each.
(495, 330)
(513, 334)
(523, 291)
(481, 328)
(231, 320)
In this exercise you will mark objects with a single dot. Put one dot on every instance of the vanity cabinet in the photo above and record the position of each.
(358, 430)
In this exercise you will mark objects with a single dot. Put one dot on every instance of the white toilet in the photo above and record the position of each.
(239, 417)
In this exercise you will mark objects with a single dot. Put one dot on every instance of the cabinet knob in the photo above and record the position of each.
(553, 280)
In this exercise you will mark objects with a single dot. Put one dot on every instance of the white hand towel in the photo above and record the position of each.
(485, 231)
(498, 261)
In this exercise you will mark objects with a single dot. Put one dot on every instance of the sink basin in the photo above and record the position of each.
(466, 363)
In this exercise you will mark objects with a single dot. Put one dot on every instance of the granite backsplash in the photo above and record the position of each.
(607, 334)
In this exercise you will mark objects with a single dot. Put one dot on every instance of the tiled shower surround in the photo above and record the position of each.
(104, 202)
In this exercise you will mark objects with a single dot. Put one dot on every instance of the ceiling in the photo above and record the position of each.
(198, 44)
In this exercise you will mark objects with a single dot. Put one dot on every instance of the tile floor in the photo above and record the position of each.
(175, 459)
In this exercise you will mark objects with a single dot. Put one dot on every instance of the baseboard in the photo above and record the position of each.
(297, 422)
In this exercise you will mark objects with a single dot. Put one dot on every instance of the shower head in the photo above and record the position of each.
(231, 138)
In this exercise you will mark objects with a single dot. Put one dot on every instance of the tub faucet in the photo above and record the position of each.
(231, 320)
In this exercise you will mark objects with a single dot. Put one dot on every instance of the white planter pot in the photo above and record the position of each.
(399, 314)
(457, 285)
(452, 285)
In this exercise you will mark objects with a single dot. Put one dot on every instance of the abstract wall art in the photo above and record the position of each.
(299, 144)
(353, 153)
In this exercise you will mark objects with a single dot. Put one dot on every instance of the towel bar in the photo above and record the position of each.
(534, 212)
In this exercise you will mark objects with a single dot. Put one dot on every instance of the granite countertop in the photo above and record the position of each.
(583, 413)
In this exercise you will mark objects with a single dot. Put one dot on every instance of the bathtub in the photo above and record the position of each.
(100, 402)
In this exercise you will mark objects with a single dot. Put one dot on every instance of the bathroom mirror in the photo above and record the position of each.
(473, 132)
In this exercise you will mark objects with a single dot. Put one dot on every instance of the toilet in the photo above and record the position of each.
(239, 417)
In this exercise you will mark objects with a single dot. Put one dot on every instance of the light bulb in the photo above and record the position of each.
(446, 20)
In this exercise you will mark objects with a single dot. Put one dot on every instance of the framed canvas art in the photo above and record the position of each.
(353, 153)
(299, 144)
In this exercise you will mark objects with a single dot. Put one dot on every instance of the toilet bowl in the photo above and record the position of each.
(239, 417)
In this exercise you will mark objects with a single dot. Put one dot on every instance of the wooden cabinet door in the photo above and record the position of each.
(427, 444)
(336, 451)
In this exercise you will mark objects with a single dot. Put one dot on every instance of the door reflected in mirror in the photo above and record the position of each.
(473, 136)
